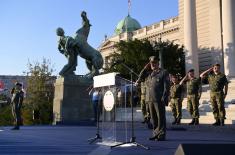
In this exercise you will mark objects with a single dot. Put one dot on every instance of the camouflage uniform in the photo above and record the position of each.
(193, 87)
(176, 101)
(217, 83)
(16, 102)
(144, 103)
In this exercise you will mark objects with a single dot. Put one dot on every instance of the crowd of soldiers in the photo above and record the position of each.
(158, 88)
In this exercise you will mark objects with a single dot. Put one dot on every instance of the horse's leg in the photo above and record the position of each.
(89, 65)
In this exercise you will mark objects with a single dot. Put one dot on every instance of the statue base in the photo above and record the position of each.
(72, 104)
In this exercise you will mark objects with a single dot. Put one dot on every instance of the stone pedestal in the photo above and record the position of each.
(72, 104)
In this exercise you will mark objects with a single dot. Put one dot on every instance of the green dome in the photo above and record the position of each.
(127, 24)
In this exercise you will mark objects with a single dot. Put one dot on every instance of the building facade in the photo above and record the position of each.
(204, 27)
(8, 82)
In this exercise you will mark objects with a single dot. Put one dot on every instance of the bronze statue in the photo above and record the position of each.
(72, 47)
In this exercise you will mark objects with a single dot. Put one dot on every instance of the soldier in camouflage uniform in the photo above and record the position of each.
(145, 94)
(176, 99)
(16, 102)
(193, 95)
(219, 88)
(144, 104)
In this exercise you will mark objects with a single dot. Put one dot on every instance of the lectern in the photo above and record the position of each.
(112, 132)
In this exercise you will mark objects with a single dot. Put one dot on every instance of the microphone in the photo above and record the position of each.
(118, 61)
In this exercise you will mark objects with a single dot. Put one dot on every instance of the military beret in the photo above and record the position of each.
(174, 75)
(217, 64)
(18, 84)
(153, 59)
(191, 70)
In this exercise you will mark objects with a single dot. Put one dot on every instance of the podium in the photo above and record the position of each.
(111, 132)
(111, 86)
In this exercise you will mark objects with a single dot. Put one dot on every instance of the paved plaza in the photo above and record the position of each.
(73, 140)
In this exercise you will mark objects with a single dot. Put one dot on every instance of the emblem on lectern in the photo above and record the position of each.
(108, 100)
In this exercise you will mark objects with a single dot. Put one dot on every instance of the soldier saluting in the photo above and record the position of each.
(176, 99)
(193, 95)
(143, 80)
(159, 87)
(219, 88)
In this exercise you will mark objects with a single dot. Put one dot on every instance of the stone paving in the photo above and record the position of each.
(65, 140)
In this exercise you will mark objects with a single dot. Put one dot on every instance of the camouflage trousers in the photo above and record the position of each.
(193, 104)
(176, 107)
(217, 102)
(145, 109)
(16, 112)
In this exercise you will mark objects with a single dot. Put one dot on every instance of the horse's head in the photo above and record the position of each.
(83, 14)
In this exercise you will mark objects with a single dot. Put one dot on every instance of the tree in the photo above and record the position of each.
(5, 111)
(173, 56)
(40, 91)
(136, 54)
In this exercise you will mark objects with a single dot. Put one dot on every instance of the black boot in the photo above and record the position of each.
(217, 122)
(178, 120)
(222, 122)
(192, 122)
(174, 122)
(196, 121)
(16, 128)
(154, 137)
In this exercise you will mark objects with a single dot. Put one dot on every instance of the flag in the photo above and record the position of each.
(1, 86)
(129, 6)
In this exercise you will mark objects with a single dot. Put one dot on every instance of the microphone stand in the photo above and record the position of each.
(133, 138)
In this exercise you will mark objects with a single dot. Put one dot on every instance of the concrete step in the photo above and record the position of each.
(230, 106)
(202, 120)
(206, 115)
(207, 121)
(229, 115)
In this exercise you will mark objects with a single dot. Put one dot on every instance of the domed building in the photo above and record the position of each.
(130, 29)
(127, 24)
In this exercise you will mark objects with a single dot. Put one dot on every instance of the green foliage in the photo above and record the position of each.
(6, 117)
(173, 57)
(5, 111)
(5, 98)
(136, 54)
(40, 92)
(27, 114)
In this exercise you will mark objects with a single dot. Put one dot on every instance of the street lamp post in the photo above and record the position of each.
(160, 49)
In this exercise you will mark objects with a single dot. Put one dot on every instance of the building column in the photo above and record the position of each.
(228, 23)
(190, 36)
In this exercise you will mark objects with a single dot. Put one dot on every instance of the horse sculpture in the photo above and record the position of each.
(71, 47)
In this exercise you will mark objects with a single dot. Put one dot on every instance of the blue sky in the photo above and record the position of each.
(27, 27)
